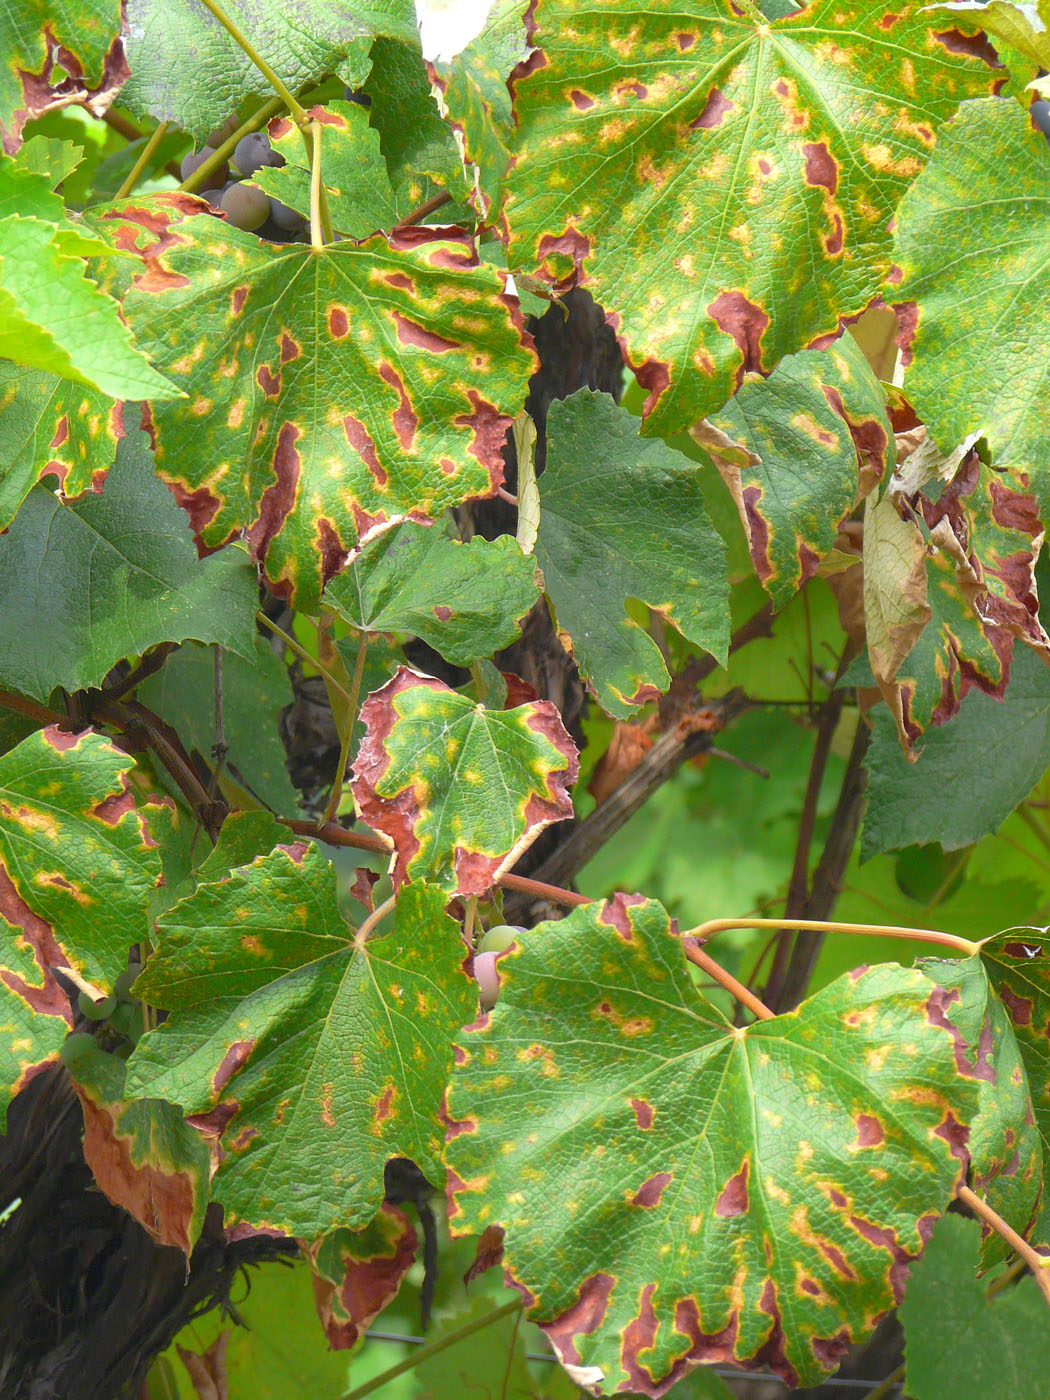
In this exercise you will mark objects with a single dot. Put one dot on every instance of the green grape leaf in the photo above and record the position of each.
(111, 575)
(1018, 965)
(675, 1189)
(143, 1154)
(255, 690)
(54, 317)
(971, 773)
(328, 393)
(458, 790)
(186, 69)
(1005, 1150)
(1023, 27)
(477, 101)
(796, 450)
(768, 155)
(49, 156)
(357, 1272)
(320, 1059)
(622, 517)
(77, 863)
(49, 425)
(360, 197)
(959, 1341)
(57, 52)
(418, 146)
(973, 240)
(465, 600)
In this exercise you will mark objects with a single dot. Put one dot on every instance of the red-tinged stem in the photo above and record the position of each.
(707, 930)
(39, 714)
(374, 920)
(1038, 1263)
(436, 201)
(726, 979)
(338, 836)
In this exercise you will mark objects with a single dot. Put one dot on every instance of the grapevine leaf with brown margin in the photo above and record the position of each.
(1005, 1150)
(317, 1059)
(1018, 965)
(973, 239)
(460, 791)
(622, 517)
(143, 1154)
(465, 599)
(723, 184)
(360, 197)
(77, 867)
(796, 450)
(57, 52)
(357, 1272)
(52, 426)
(675, 1189)
(330, 393)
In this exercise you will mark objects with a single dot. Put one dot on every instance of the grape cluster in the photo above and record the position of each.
(244, 205)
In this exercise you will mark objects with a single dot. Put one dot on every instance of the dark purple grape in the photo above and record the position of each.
(1040, 110)
(195, 159)
(225, 131)
(253, 151)
(246, 207)
(284, 217)
(214, 197)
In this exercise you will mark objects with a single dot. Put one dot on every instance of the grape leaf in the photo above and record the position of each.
(624, 518)
(1004, 1146)
(1023, 27)
(418, 146)
(49, 156)
(465, 600)
(111, 575)
(796, 450)
(357, 1272)
(460, 791)
(319, 1058)
(329, 393)
(973, 242)
(360, 198)
(477, 103)
(255, 689)
(186, 69)
(1018, 965)
(675, 1189)
(51, 425)
(77, 866)
(958, 1340)
(768, 155)
(54, 317)
(971, 773)
(143, 1154)
(56, 52)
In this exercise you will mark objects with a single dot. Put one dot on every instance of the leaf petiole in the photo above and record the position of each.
(702, 932)
(145, 155)
(194, 182)
(241, 39)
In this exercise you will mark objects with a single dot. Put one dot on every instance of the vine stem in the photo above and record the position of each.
(883, 1389)
(726, 979)
(349, 721)
(241, 39)
(702, 932)
(439, 1344)
(436, 201)
(320, 220)
(144, 159)
(1038, 1263)
(374, 919)
(303, 655)
(193, 182)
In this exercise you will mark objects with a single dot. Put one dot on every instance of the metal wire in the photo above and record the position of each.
(725, 1372)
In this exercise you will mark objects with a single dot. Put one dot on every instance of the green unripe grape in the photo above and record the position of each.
(122, 986)
(96, 1010)
(246, 207)
(499, 937)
